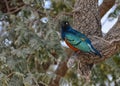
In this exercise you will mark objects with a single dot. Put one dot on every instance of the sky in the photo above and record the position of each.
(106, 23)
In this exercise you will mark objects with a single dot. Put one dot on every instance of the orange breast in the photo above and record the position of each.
(72, 47)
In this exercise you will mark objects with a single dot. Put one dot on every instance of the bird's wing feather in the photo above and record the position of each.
(80, 42)
(73, 39)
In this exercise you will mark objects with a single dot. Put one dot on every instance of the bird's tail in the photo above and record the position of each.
(96, 52)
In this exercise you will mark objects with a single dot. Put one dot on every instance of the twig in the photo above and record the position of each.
(114, 40)
(42, 83)
(14, 11)
(13, 8)
(7, 6)
(10, 74)
(102, 39)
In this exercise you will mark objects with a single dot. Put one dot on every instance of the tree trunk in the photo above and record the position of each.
(87, 18)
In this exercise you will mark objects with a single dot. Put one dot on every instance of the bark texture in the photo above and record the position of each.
(86, 17)
(106, 5)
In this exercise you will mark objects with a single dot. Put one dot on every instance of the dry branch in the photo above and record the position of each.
(7, 7)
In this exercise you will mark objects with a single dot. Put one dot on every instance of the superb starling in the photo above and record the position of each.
(76, 40)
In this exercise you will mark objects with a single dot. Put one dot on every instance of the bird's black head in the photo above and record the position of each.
(65, 25)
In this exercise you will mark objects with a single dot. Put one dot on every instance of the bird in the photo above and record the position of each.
(76, 40)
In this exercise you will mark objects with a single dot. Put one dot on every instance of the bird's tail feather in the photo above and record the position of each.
(96, 52)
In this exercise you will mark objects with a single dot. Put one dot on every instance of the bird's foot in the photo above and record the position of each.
(77, 52)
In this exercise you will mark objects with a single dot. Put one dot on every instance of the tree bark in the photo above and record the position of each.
(106, 5)
(86, 17)
(60, 72)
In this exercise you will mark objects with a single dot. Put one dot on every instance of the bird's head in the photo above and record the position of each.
(65, 25)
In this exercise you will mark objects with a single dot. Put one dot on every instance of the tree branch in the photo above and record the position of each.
(60, 72)
(106, 5)
(7, 6)
(14, 11)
